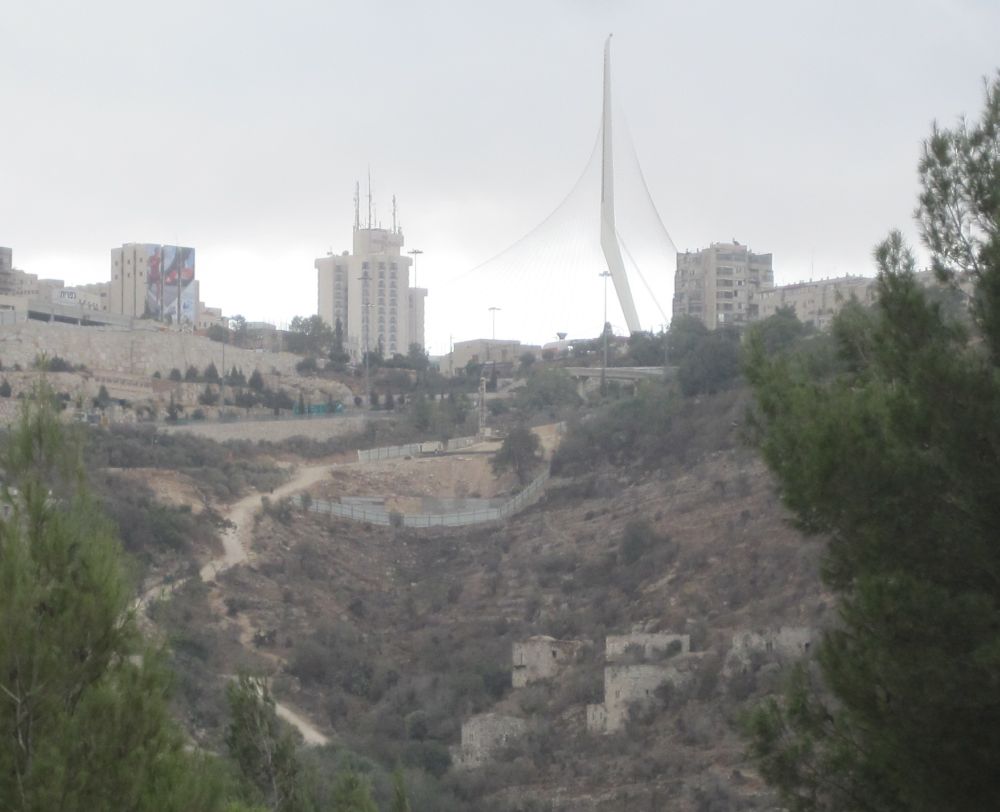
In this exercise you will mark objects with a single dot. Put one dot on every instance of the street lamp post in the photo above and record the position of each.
(604, 332)
(493, 311)
(364, 329)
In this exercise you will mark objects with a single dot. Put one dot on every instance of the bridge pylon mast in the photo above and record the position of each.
(609, 233)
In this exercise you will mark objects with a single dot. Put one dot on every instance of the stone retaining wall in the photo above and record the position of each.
(139, 352)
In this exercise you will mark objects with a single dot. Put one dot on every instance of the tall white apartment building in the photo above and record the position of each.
(155, 281)
(129, 275)
(721, 284)
(369, 291)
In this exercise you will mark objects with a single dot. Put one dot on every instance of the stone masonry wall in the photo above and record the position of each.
(485, 735)
(140, 351)
(541, 657)
(651, 643)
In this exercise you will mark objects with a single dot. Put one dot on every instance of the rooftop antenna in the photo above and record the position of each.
(394, 214)
(357, 205)
(369, 197)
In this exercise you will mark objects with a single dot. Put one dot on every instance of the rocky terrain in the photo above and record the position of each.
(386, 640)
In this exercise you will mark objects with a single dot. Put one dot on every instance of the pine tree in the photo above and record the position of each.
(352, 794)
(894, 455)
(84, 722)
(400, 801)
(264, 752)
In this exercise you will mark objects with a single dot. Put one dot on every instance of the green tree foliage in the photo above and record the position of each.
(5, 389)
(103, 399)
(309, 335)
(781, 331)
(548, 389)
(84, 721)
(256, 381)
(526, 361)
(683, 336)
(422, 413)
(208, 397)
(707, 361)
(262, 748)
(211, 374)
(645, 350)
(238, 331)
(236, 377)
(520, 452)
(339, 357)
(417, 358)
(175, 374)
(896, 458)
(352, 794)
(191, 374)
(400, 801)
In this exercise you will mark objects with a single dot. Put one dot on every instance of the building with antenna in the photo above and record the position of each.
(368, 290)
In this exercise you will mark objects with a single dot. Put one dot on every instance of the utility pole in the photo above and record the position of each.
(222, 380)
(364, 278)
(416, 252)
(604, 333)
(482, 405)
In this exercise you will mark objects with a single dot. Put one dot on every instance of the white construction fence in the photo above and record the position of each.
(392, 452)
(377, 514)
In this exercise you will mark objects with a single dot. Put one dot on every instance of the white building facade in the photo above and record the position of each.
(368, 291)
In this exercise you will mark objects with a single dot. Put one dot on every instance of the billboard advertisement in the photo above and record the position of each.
(171, 294)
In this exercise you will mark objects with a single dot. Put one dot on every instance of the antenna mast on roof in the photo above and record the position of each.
(369, 197)
(357, 205)
(394, 214)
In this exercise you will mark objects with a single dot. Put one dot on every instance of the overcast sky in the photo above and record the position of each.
(240, 127)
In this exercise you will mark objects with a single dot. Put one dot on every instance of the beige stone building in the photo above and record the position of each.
(817, 302)
(155, 281)
(484, 351)
(484, 736)
(784, 643)
(368, 291)
(720, 285)
(637, 667)
(541, 657)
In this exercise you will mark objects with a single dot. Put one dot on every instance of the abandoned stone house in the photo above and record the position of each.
(628, 683)
(787, 642)
(541, 657)
(485, 735)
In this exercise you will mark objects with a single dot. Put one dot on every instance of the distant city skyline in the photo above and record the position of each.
(794, 128)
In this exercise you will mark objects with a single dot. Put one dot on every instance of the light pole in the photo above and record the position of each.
(604, 332)
(493, 311)
(364, 329)
(416, 252)
(489, 345)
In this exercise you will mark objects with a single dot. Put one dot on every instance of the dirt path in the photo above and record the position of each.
(235, 541)
(237, 536)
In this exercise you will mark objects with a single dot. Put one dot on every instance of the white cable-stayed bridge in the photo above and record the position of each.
(550, 281)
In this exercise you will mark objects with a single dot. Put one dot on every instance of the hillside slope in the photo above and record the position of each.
(390, 638)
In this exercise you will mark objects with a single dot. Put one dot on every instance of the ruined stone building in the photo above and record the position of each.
(541, 657)
(485, 735)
